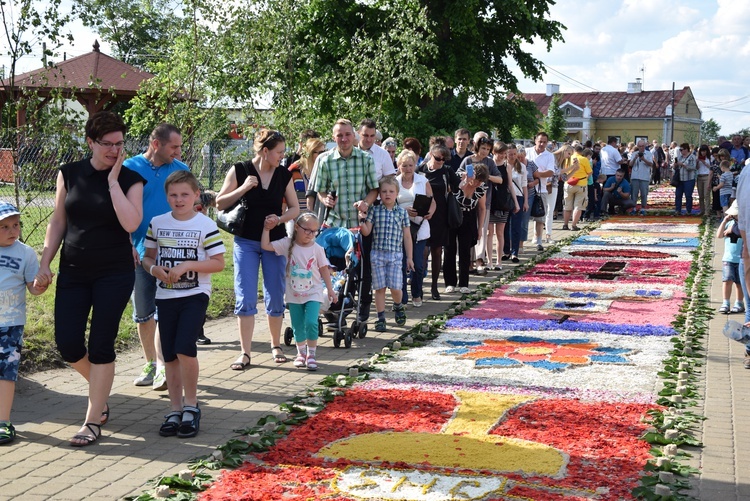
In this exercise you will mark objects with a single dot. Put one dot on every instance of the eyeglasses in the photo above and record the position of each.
(107, 144)
(307, 231)
(438, 159)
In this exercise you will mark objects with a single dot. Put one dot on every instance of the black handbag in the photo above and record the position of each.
(455, 214)
(537, 207)
(233, 219)
(675, 177)
(502, 199)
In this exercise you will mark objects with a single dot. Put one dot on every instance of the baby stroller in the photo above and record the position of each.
(344, 250)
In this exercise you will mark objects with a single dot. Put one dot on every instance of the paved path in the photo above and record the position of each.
(49, 406)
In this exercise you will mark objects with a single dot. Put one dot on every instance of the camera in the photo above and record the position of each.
(640, 154)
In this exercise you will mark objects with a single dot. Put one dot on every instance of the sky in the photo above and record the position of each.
(702, 44)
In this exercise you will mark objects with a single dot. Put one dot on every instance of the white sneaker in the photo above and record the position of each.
(449, 290)
(147, 375)
(160, 379)
(464, 290)
(417, 302)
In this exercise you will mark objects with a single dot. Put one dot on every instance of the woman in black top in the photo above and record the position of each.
(264, 188)
(442, 181)
(97, 205)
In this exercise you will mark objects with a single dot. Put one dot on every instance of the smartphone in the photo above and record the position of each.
(470, 170)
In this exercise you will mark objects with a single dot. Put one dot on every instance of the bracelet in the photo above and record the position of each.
(150, 270)
(112, 184)
(279, 223)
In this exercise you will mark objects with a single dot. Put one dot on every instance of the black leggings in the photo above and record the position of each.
(103, 295)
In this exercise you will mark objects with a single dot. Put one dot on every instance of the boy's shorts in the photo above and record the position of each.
(724, 200)
(386, 269)
(730, 272)
(180, 324)
(11, 340)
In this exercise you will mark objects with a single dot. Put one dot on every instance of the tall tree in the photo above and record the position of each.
(710, 131)
(554, 123)
(139, 31)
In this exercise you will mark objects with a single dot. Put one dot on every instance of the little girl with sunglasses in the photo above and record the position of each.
(307, 271)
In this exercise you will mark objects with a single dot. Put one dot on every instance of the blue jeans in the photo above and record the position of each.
(594, 208)
(743, 283)
(248, 258)
(417, 278)
(516, 227)
(684, 188)
(305, 321)
(144, 296)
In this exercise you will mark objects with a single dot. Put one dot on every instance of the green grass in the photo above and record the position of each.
(39, 351)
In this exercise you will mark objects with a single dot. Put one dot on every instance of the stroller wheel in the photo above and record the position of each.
(348, 338)
(362, 331)
(320, 328)
(288, 336)
(337, 337)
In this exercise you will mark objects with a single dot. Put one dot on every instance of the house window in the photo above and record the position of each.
(567, 112)
(687, 105)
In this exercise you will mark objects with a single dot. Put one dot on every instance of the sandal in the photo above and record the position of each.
(280, 358)
(312, 365)
(240, 364)
(7, 432)
(171, 425)
(189, 427)
(87, 439)
(299, 361)
(105, 415)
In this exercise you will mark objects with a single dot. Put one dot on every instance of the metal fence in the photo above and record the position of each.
(28, 171)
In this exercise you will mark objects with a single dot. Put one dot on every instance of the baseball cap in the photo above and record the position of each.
(7, 210)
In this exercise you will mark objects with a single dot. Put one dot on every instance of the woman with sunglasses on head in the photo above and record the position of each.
(442, 181)
(263, 187)
(98, 203)
(302, 175)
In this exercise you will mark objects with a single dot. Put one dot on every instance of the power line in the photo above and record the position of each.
(725, 109)
(726, 102)
(581, 84)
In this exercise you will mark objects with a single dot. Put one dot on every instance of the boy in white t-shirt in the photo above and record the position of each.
(18, 266)
(183, 248)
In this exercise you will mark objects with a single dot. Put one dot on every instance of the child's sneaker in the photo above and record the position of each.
(380, 326)
(147, 375)
(7, 432)
(400, 316)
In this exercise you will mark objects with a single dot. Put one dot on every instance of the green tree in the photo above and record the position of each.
(138, 30)
(710, 131)
(554, 123)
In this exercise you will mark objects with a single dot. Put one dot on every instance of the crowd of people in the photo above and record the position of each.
(136, 228)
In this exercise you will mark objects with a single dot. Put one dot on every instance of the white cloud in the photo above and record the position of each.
(693, 43)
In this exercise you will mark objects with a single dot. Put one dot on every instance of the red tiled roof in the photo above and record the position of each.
(647, 104)
(89, 70)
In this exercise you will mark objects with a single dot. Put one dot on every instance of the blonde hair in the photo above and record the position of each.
(404, 155)
(311, 145)
(559, 153)
(388, 180)
(305, 216)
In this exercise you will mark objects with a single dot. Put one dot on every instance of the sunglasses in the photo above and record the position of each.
(438, 159)
(275, 135)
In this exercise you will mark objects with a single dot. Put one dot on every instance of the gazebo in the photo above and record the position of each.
(95, 80)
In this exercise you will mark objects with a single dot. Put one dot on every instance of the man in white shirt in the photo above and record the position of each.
(640, 177)
(611, 158)
(545, 162)
(367, 136)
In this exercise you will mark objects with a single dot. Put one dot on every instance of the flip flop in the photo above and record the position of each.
(87, 439)
(105, 415)
(281, 358)
(240, 364)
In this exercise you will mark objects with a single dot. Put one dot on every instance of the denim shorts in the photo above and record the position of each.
(730, 272)
(248, 259)
(11, 340)
(386, 269)
(144, 296)
(724, 199)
